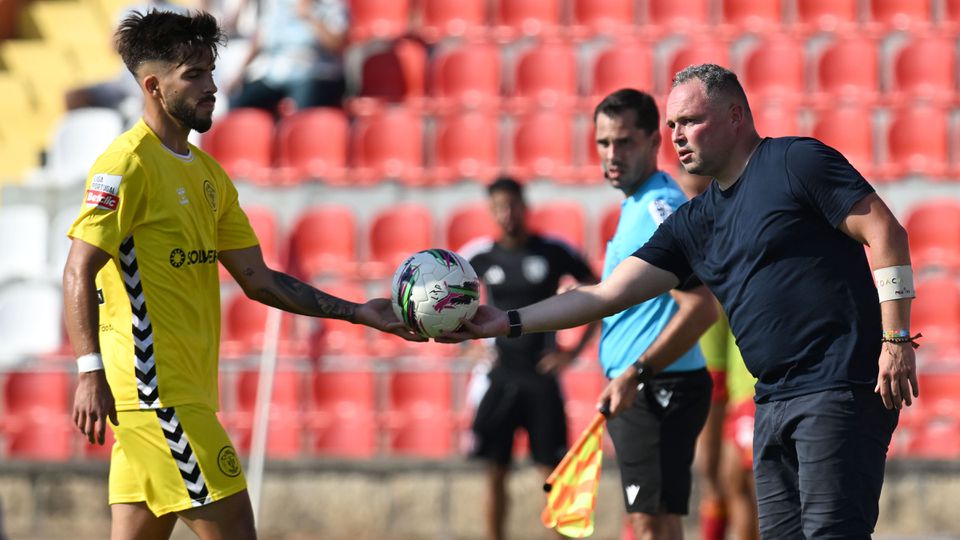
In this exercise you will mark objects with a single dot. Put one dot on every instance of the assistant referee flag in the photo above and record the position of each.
(572, 486)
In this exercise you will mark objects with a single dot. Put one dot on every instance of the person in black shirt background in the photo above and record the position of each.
(517, 269)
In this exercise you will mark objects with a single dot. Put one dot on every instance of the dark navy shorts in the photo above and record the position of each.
(818, 461)
(517, 399)
(655, 440)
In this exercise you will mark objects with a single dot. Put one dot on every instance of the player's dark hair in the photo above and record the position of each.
(626, 99)
(167, 37)
(507, 184)
(716, 81)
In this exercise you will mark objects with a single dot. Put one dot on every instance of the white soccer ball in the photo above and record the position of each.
(433, 290)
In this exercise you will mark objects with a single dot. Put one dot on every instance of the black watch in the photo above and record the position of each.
(516, 329)
(643, 372)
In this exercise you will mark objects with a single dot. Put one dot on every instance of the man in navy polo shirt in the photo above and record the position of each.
(778, 238)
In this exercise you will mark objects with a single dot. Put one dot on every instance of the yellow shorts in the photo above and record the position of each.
(173, 459)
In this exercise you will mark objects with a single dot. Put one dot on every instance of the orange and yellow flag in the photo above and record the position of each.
(572, 487)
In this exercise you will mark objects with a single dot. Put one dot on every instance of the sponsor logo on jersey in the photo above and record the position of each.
(182, 194)
(104, 192)
(494, 275)
(210, 193)
(179, 257)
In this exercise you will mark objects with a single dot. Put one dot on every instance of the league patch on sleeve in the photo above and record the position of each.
(104, 191)
(660, 210)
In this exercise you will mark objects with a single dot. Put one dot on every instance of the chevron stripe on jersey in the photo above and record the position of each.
(148, 390)
(183, 454)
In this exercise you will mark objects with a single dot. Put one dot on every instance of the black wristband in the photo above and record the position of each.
(516, 329)
(643, 372)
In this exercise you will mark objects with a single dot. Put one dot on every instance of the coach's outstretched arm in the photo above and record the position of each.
(872, 223)
(633, 281)
(288, 293)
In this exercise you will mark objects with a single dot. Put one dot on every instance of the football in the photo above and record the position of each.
(433, 290)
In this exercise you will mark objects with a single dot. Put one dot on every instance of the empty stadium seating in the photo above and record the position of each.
(466, 146)
(562, 220)
(543, 146)
(513, 19)
(419, 415)
(592, 18)
(468, 223)
(621, 64)
(78, 139)
(444, 19)
(848, 70)
(917, 142)
(323, 241)
(36, 415)
(25, 253)
(285, 435)
(467, 75)
(838, 16)
(379, 19)
(545, 76)
(242, 141)
(388, 145)
(934, 231)
(312, 144)
(343, 413)
(925, 68)
(849, 129)
(30, 320)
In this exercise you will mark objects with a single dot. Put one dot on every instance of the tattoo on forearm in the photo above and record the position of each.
(291, 294)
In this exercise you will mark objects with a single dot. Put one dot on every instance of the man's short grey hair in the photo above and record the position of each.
(717, 81)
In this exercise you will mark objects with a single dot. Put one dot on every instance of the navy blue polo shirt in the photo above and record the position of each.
(798, 292)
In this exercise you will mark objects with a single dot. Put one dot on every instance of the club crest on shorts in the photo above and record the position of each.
(228, 462)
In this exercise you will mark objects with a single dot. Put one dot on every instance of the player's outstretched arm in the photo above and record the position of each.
(632, 282)
(93, 402)
(288, 293)
(872, 223)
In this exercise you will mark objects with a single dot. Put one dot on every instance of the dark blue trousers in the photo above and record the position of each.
(819, 461)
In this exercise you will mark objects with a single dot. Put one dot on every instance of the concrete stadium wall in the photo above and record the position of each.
(411, 500)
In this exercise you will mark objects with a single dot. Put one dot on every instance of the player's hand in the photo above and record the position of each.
(555, 361)
(619, 394)
(378, 313)
(92, 405)
(488, 322)
(897, 378)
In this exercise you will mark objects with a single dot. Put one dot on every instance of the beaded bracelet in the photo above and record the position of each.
(902, 339)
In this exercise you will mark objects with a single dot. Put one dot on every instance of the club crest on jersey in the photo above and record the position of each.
(660, 210)
(104, 192)
(210, 193)
(535, 268)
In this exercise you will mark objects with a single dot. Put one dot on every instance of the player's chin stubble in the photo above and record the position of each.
(188, 116)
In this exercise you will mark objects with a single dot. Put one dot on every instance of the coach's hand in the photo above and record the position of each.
(487, 322)
(93, 404)
(619, 395)
(897, 378)
(378, 313)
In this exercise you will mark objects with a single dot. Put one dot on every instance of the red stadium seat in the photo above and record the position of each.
(419, 413)
(323, 241)
(697, 50)
(466, 76)
(670, 16)
(849, 129)
(397, 232)
(775, 118)
(603, 17)
(581, 386)
(933, 228)
(343, 413)
(774, 69)
(380, 19)
(242, 142)
(244, 327)
(950, 17)
(388, 145)
(312, 144)
(467, 146)
(926, 68)
(469, 223)
(543, 146)
(891, 15)
(623, 64)
(563, 220)
(936, 311)
(445, 19)
(396, 74)
(756, 16)
(917, 142)
(517, 18)
(826, 16)
(285, 432)
(264, 225)
(848, 70)
(939, 438)
(545, 76)
(36, 421)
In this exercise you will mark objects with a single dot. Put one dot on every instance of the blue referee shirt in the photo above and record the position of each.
(625, 335)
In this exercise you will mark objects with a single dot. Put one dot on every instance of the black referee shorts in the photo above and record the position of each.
(655, 440)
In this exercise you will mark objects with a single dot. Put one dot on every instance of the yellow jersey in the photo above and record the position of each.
(162, 217)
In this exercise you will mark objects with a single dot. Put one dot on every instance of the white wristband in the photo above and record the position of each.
(90, 362)
(894, 282)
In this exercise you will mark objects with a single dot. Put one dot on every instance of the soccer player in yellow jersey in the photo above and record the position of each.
(141, 289)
